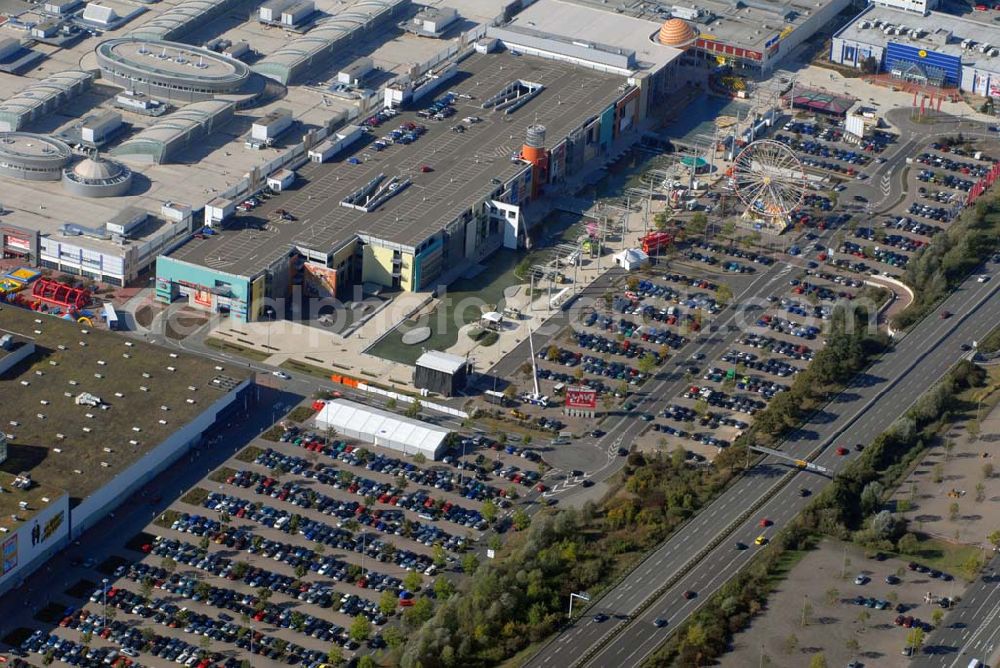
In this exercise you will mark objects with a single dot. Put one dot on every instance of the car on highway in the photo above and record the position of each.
(587, 483)
(841, 451)
(965, 347)
(688, 595)
(281, 374)
(859, 446)
(804, 491)
(597, 433)
(760, 540)
(659, 622)
(982, 278)
(945, 315)
(764, 523)
(600, 618)
(741, 546)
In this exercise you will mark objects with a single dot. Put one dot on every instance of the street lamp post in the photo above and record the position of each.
(583, 596)
(104, 617)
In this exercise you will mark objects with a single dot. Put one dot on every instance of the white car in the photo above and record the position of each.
(281, 374)
(982, 278)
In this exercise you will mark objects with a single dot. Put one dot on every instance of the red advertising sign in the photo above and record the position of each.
(10, 241)
(581, 397)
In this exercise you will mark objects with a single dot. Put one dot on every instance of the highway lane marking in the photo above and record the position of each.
(973, 296)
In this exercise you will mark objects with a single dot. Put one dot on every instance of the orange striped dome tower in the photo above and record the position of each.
(677, 33)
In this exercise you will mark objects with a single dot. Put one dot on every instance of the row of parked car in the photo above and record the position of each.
(384, 492)
(360, 457)
(946, 180)
(974, 169)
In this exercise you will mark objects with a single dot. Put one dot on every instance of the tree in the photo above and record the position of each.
(987, 471)
(915, 639)
(361, 628)
(807, 611)
(168, 564)
(869, 65)
(908, 544)
(419, 613)
(937, 616)
(439, 556)
(723, 294)
(790, 643)
(393, 636)
(994, 538)
(366, 661)
(470, 562)
(938, 473)
(832, 595)
(697, 224)
(413, 410)
(443, 588)
(146, 589)
(521, 519)
(953, 510)
(871, 497)
(413, 580)
(203, 543)
(489, 511)
(387, 603)
(817, 661)
(335, 656)
(980, 492)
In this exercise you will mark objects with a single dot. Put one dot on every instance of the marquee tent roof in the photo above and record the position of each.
(389, 430)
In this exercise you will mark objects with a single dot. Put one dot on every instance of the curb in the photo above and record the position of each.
(686, 568)
(649, 600)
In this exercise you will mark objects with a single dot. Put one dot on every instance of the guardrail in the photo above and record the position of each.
(688, 565)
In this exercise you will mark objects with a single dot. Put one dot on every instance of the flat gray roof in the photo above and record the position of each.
(595, 26)
(441, 361)
(943, 33)
(463, 166)
(747, 24)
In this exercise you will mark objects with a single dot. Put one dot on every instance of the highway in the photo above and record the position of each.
(971, 629)
(701, 556)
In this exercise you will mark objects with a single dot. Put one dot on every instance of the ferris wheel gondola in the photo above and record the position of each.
(769, 180)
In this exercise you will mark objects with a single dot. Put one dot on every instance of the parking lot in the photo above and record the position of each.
(846, 606)
(286, 550)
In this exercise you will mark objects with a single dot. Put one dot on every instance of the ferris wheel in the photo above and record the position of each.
(769, 179)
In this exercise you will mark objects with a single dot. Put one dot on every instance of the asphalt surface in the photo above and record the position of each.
(598, 456)
(689, 561)
(971, 630)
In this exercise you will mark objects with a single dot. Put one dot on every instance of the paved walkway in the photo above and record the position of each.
(882, 97)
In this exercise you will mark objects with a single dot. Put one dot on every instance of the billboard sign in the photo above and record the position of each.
(49, 528)
(581, 397)
(17, 243)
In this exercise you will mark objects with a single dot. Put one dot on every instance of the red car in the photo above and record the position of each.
(945, 315)
(688, 595)
(426, 168)
(841, 451)
(764, 523)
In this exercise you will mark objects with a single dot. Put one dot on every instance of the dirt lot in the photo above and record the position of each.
(954, 494)
(820, 590)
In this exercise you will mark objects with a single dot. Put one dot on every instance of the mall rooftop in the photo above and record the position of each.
(938, 32)
(68, 442)
(464, 168)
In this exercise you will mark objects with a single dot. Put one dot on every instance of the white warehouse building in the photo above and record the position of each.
(383, 428)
